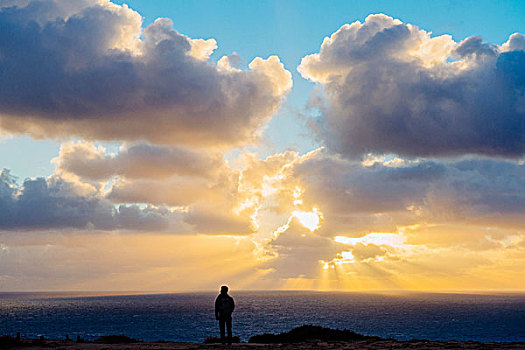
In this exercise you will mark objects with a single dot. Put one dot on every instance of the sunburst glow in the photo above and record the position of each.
(309, 219)
(378, 238)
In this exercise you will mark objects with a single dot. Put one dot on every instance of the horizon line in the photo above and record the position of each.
(149, 292)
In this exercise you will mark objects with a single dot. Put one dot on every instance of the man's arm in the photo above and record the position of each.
(217, 308)
(233, 304)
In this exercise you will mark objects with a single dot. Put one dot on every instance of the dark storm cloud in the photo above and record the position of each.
(392, 88)
(41, 204)
(89, 69)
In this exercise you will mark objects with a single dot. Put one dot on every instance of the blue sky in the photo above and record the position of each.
(291, 30)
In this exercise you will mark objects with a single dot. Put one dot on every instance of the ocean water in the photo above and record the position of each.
(190, 316)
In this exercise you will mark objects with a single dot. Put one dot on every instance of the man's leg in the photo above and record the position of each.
(229, 325)
(221, 326)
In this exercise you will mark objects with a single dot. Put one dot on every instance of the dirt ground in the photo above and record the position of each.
(361, 345)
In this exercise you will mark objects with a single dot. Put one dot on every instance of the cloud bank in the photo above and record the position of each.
(391, 87)
(41, 204)
(385, 217)
(381, 223)
(200, 184)
(90, 69)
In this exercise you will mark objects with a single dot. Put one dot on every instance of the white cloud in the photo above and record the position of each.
(91, 70)
(391, 87)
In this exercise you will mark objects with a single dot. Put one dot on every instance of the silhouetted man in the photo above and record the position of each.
(224, 306)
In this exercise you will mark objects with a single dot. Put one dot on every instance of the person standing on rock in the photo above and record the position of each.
(224, 306)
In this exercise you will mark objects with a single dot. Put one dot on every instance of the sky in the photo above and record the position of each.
(343, 145)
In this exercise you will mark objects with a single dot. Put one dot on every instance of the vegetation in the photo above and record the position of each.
(116, 339)
(7, 341)
(309, 333)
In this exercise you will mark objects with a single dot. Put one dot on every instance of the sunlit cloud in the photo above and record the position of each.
(392, 88)
(378, 238)
(104, 71)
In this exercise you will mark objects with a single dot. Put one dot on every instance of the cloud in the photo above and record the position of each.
(176, 191)
(186, 207)
(391, 87)
(367, 251)
(516, 42)
(137, 161)
(383, 215)
(210, 219)
(300, 252)
(256, 196)
(359, 198)
(41, 204)
(200, 183)
(90, 69)
(379, 220)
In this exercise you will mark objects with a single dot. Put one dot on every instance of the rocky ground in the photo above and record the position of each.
(350, 345)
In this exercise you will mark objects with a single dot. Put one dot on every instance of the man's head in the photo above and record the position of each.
(224, 289)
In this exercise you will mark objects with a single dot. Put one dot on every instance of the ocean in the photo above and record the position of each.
(189, 317)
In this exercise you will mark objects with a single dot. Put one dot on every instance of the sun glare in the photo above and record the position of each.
(377, 238)
(309, 219)
(297, 192)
